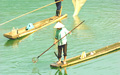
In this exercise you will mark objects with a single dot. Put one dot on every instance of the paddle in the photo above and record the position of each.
(35, 59)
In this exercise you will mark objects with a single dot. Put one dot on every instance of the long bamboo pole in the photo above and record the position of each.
(35, 59)
(29, 12)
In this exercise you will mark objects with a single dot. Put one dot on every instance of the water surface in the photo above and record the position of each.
(101, 28)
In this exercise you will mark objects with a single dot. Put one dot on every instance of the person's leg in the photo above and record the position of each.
(59, 54)
(58, 5)
(64, 62)
(65, 53)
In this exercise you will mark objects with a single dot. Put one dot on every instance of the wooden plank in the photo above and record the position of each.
(99, 52)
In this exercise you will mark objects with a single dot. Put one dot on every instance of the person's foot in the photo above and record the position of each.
(59, 62)
(64, 62)
(56, 17)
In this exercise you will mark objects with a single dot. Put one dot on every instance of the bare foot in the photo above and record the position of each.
(64, 62)
(56, 16)
(59, 62)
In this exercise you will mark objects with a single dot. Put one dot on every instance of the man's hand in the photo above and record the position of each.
(70, 32)
(55, 41)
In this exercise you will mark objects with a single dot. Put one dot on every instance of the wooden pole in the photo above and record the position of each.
(29, 12)
(60, 39)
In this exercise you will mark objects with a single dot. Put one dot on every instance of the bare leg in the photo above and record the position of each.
(59, 54)
(59, 61)
(64, 60)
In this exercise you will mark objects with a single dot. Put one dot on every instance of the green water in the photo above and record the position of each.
(101, 28)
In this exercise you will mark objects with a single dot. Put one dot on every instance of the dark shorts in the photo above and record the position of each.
(60, 48)
(58, 5)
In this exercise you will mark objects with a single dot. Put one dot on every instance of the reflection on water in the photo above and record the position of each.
(59, 72)
(78, 21)
(83, 30)
(15, 43)
(35, 71)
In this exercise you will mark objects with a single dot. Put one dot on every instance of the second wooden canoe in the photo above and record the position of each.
(17, 33)
(89, 56)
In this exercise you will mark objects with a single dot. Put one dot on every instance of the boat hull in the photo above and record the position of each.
(38, 25)
(100, 52)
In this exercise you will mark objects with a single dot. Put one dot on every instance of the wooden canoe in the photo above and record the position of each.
(38, 25)
(100, 52)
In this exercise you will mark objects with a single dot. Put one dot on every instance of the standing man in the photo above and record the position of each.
(62, 44)
(77, 6)
(58, 5)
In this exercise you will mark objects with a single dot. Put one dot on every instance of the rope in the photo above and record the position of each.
(29, 12)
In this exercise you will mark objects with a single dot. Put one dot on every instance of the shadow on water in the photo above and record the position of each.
(15, 42)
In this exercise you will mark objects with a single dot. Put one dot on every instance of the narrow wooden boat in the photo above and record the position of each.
(91, 55)
(14, 34)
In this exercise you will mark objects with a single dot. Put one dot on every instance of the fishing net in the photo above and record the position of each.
(34, 59)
